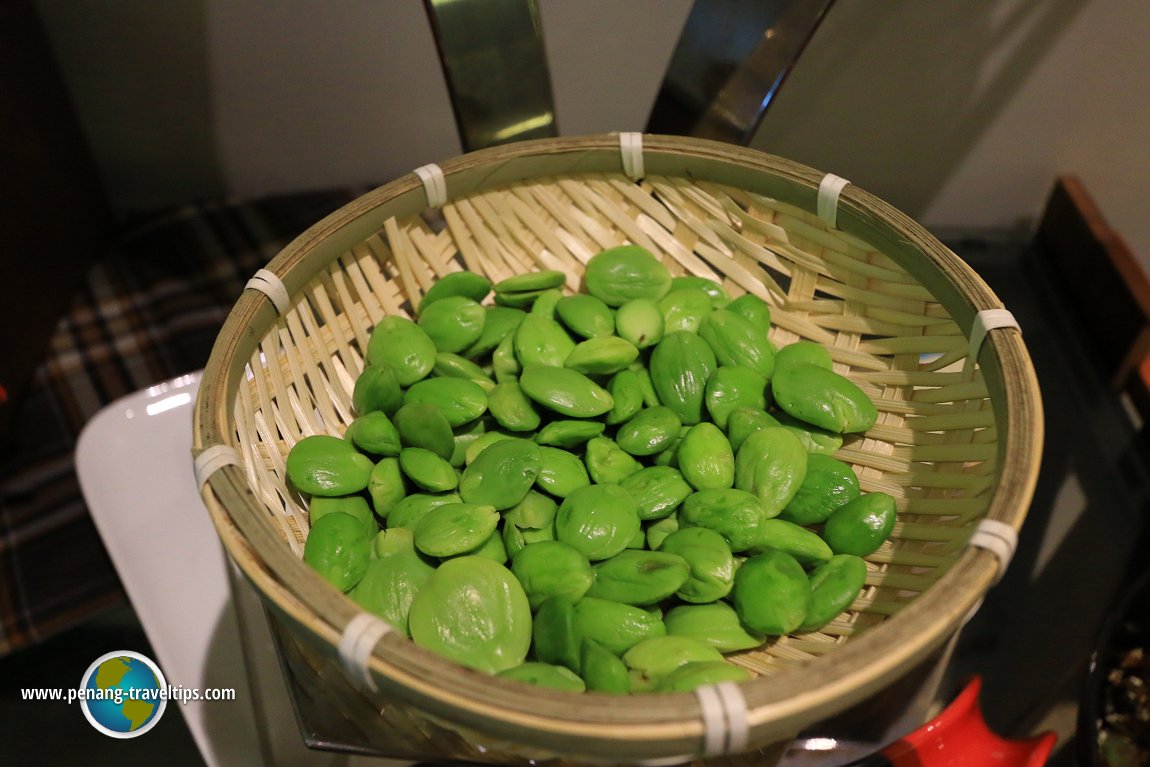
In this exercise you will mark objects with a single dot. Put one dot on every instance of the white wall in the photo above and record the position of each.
(960, 112)
(310, 94)
(1085, 109)
(136, 70)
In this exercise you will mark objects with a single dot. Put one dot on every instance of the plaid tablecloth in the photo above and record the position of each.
(147, 312)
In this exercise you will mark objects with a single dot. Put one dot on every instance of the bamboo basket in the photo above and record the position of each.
(957, 440)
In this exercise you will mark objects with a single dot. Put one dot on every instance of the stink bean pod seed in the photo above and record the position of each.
(545, 675)
(585, 316)
(338, 549)
(653, 659)
(552, 569)
(326, 465)
(455, 528)
(453, 365)
(696, 674)
(861, 525)
(658, 490)
(542, 341)
(598, 521)
(607, 490)
(738, 341)
(502, 474)
(565, 391)
(389, 585)
(511, 408)
(422, 424)
(621, 274)
(835, 583)
(556, 637)
(733, 387)
(473, 611)
(718, 295)
(603, 670)
(616, 625)
(626, 389)
(467, 284)
(403, 346)
(649, 432)
(427, 470)
(638, 577)
(684, 309)
(823, 398)
(753, 308)
(715, 623)
(602, 356)
(680, 365)
(499, 323)
(640, 321)
(454, 323)
(828, 484)
(712, 565)
(355, 505)
(772, 593)
(374, 433)
(607, 463)
(560, 472)
(530, 281)
(461, 401)
(376, 388)
(535, 512)
(706, 459)
(386, 486)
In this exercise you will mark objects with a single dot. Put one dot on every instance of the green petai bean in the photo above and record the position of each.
(861, 525)
(679, 366)
(823, 398)
(502, 474)
(403, 346)
(771, 593)
(339, 549)
(567, 392)
(473, 611)
(598, 520)
(325, 465)
(453, 323)
(620, 274)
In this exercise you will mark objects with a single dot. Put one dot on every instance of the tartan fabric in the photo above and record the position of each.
(150, 310)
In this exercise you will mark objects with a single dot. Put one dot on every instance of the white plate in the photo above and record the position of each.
(134, 463)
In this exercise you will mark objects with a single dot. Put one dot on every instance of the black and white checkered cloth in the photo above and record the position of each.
(148, 312)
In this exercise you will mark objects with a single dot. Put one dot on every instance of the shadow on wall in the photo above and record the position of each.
(136, 76)
(893, 96)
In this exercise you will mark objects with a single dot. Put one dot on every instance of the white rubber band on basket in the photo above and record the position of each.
(434, 184)
(828, 200)
(631, 150)
(362, 634)
(271, 286)
(999, 539)
(724, 712)
(984, 322)
(212, 460)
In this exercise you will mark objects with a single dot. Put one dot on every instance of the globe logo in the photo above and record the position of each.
(123, 694)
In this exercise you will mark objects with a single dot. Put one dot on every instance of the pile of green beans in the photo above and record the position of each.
(605, 491)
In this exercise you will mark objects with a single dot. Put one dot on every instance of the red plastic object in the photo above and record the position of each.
(959, 737)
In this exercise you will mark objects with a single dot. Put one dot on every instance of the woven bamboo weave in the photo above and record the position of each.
(957, 439)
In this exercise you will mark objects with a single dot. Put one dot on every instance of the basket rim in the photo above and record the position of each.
(667, 724)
